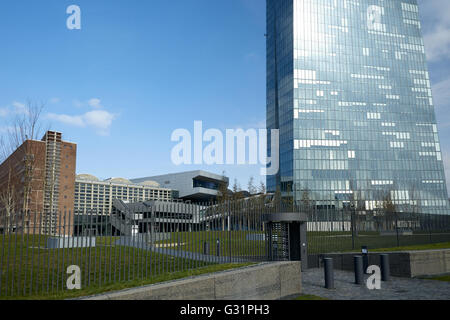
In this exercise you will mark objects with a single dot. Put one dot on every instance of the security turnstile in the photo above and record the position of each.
(286, 237)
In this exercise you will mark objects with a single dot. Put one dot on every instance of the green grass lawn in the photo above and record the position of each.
(236, 243)
(109, 287)
(232, 243)
(442, 278)
(432, 246)
(28, 269)
(342, 243)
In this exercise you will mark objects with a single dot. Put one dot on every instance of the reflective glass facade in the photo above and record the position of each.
(348, 88)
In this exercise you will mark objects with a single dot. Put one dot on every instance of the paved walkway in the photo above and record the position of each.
(133, 242)
(395, 289)
(198, 256)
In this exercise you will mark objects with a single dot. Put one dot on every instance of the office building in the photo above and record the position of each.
(94, 199)
(349, 89)
(196, 186)
(93, 195)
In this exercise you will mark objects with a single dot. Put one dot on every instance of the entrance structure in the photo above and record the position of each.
(286, 237)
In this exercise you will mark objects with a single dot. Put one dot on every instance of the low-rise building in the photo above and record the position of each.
(94, 199)
(196, 186)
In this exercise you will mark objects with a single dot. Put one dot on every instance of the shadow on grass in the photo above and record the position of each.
(95, 290)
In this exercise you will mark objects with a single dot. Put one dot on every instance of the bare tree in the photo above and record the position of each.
(7, 189)
(414, 205)
(389, 208)
(237, 194)
(262, 187)
(222, 194)
(306, 206)
(277, 199)
(306, 201)
(222, 198)
(18, 157)
(251, 186)
(27, 124)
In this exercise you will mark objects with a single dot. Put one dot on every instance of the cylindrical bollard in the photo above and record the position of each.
(329, 273)
(206, 248)
(359, 272)
(385, 268)
(218, 247)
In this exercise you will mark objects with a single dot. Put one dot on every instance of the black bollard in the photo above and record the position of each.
(329, 273)
(385, 268)
(206, 248)
(365, 255)
(218, 247)
(359, 272)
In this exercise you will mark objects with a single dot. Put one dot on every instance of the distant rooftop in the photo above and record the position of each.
(123, 181)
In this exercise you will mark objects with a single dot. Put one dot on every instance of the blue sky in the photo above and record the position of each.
(138, 70)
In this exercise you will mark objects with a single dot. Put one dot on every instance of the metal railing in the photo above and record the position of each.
(134, 244)
(150, 241)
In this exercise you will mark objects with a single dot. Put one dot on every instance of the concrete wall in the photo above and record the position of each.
(430, 262)
(407, 264)
(70, 242)
(268, 281)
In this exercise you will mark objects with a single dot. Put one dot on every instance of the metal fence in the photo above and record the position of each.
(150, 241)
(349, 228)
(136, 243)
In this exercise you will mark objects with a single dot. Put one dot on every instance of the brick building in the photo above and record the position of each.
(37, 184)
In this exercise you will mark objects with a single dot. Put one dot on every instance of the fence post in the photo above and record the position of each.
(229, 228)
(205, 248)
(396, 229)
(352, 222)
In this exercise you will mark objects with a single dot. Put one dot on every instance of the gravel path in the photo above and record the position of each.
(395, 289)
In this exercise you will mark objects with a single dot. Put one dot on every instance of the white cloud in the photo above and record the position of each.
(14, 108)
(19, 108)
(99, 120)
(4, 112)
(446, 160)
(54, 100)
(437, 44)
(436, 30)
(77, 103)
(441, 93)
(95, 103)
(66, 119)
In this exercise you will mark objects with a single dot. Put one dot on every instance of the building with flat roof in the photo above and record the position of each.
(95, 196)
(37, 184)
(94, 199)
(155, 217)
(349, 89)
(196, 186)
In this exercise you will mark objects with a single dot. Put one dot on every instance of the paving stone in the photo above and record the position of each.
(395, 289)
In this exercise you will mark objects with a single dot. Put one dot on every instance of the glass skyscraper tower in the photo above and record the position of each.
(348, 88)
